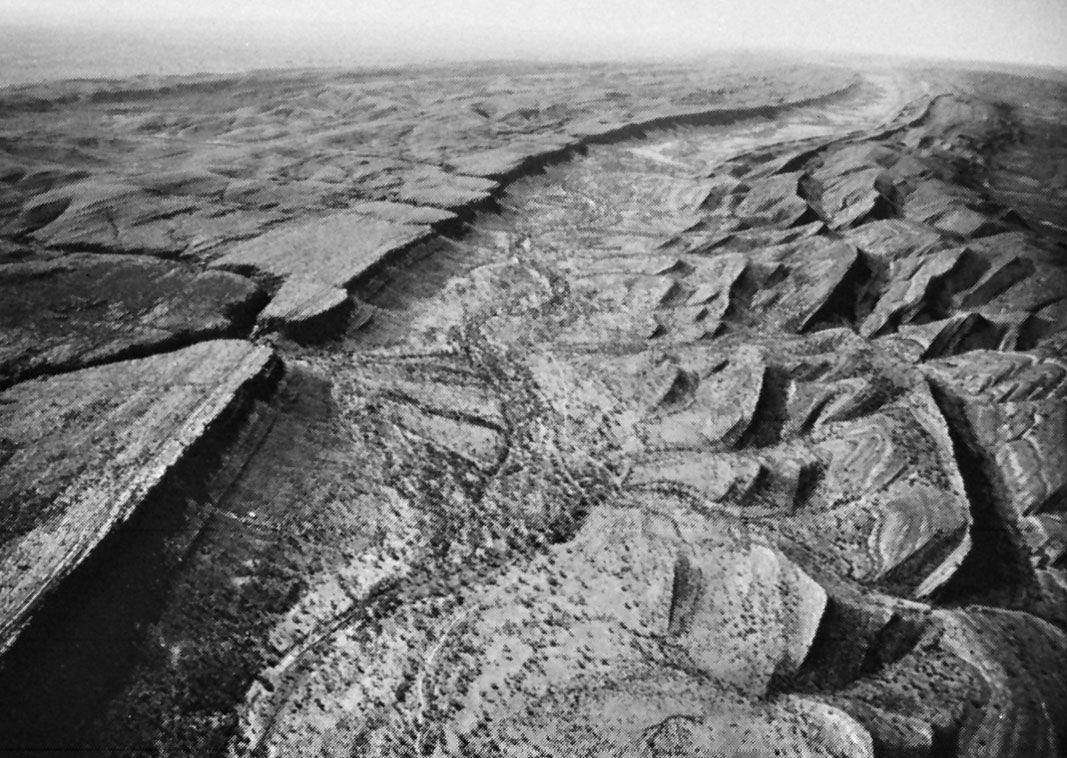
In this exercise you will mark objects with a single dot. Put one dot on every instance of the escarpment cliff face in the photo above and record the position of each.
(622, 424)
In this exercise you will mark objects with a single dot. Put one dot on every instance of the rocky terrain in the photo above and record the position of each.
(535, 411)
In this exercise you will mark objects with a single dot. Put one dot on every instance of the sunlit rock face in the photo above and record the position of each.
(545, 411)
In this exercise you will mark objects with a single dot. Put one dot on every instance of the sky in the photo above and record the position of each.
(1015, 31)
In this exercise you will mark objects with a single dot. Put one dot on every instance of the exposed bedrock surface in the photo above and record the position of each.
(719, 436)
(83, 449)
(64, 313)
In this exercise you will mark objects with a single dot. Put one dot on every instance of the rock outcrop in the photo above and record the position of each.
(83, 449)
(65, 313)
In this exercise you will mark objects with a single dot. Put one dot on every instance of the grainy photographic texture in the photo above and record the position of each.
(547, 402)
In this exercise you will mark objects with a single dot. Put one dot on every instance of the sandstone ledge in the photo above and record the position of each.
(82, 450)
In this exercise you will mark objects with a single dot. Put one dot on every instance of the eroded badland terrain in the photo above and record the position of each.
(535, 411)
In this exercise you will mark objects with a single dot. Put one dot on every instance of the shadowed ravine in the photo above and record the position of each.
(709, 438)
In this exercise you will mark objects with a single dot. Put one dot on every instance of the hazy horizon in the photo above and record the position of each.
(122, 37)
